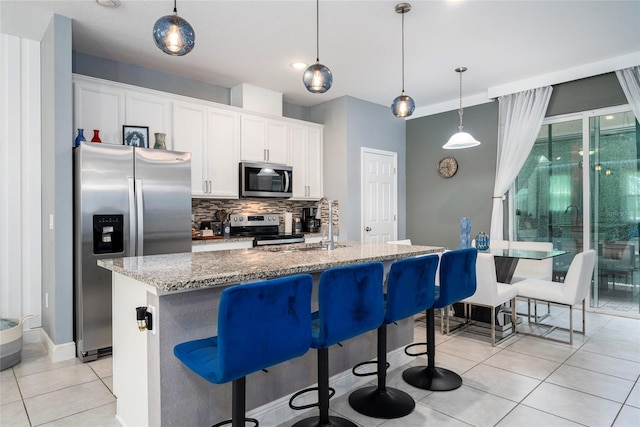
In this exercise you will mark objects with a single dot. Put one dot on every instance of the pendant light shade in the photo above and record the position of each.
(460, 139)
(317, 78)
(403, 105)
(173, 34)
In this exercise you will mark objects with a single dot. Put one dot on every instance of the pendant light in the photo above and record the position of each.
(460, 139)
(173, 34)
(317, 78)
(403, 105)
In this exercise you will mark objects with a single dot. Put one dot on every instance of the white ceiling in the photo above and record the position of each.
(504, 44)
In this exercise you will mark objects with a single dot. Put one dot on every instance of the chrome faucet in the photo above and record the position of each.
(330, 231)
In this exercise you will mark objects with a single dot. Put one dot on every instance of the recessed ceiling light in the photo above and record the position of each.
(109, 3)
(299, 65)
(608, 117)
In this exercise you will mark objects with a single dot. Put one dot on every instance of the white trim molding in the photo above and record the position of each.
(58, 352)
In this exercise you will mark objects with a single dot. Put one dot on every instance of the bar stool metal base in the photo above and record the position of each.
(333, 422)
(387, 403)
(432, 378)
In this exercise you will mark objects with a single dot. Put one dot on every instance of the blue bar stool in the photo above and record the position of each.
(259, 325)
(457, 282)
(350, 302)
(410, 290)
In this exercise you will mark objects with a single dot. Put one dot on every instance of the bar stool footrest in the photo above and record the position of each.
(227, 422)
(366, 374)
(406, 349)
(387, 403)
(295, 395)
(432, 378)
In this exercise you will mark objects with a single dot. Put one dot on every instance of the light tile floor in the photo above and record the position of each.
(524, 381)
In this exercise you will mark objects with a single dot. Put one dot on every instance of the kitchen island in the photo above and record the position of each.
(183, 291)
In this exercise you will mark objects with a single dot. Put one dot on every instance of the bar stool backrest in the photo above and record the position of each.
(350, 302)
(457, 276)
(263, 324)
(410, 287)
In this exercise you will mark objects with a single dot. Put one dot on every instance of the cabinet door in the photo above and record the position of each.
(277, 142)
(189, 134)
(299, 161)
(252, 138)
(99, 106)
(222, 152)
(143, 109)
(314, 163)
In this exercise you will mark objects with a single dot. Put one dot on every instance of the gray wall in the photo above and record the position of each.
(107, 69)
(351, 124)
(435, 205)
(57, 195)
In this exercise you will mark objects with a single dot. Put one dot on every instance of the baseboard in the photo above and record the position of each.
(31, 336)
(58, 352)
(276, 412)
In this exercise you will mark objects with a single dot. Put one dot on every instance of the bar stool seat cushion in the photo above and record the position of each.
(258, 326)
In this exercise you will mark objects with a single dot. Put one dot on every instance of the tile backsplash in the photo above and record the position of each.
(203, 209)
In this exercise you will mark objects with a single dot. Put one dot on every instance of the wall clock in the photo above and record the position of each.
(447, 167)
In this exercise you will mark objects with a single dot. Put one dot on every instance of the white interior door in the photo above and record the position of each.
(379, 188)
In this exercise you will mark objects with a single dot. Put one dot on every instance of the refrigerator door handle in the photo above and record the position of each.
(132, 223)
(140, 218)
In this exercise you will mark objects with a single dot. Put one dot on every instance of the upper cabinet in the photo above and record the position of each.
(143, 109)
(98, 106)
(263, 139)
(212, 137)
(306, 160)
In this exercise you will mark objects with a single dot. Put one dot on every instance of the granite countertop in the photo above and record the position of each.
(184, 271)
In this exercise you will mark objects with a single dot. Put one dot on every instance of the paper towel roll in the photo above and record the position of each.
(288, 220)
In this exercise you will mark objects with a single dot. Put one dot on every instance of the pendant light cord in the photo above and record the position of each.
(460, 108)
(403, 12)
(317, 30)
(175, 6)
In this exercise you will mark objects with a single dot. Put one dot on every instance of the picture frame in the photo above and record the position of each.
(135, 136)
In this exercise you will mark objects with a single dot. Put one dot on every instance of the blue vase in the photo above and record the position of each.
(482, 241)
(79, 138)
(465, 232)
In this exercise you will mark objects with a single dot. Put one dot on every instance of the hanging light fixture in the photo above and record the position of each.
(460, 139)
(173, 34)
(317, 77)
(403, 105)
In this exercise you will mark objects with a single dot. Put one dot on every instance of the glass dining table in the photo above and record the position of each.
(506, 260)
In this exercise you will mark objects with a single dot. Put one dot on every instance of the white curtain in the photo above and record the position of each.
(629, 79)
(520, 118)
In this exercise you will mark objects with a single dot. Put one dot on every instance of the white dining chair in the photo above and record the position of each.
(489, 293)
(531, 268)
(573, 291)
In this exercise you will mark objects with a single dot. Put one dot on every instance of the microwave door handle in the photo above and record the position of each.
(139, 217)
(132, 222)
(286, 181)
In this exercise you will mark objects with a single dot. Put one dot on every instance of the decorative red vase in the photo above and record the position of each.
(96, 136)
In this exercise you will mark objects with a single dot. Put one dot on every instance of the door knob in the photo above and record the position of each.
(367, 228)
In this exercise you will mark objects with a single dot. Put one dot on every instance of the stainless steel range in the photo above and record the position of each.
(263, 228)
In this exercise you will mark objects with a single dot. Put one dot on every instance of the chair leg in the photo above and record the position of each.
(570, 325)
(493, 326)
(514, 317)
(238, 405)
(430, 377)
(382, 401)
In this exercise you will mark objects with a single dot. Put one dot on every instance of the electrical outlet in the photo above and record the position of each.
(151, 309)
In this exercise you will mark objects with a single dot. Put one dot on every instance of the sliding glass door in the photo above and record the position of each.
(580, 189)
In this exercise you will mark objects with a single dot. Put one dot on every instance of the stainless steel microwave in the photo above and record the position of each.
(265, 180)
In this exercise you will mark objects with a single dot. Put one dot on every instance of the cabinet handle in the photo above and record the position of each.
(264, 154)
(267, 154)
(210, 187)
(204, 186)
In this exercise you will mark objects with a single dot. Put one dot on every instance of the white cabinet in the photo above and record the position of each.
(143, 109)
(212, 137)
(99, 106)
(264, 140)
(306, 160)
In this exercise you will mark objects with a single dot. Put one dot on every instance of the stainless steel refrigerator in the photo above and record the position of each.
(127, 202)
